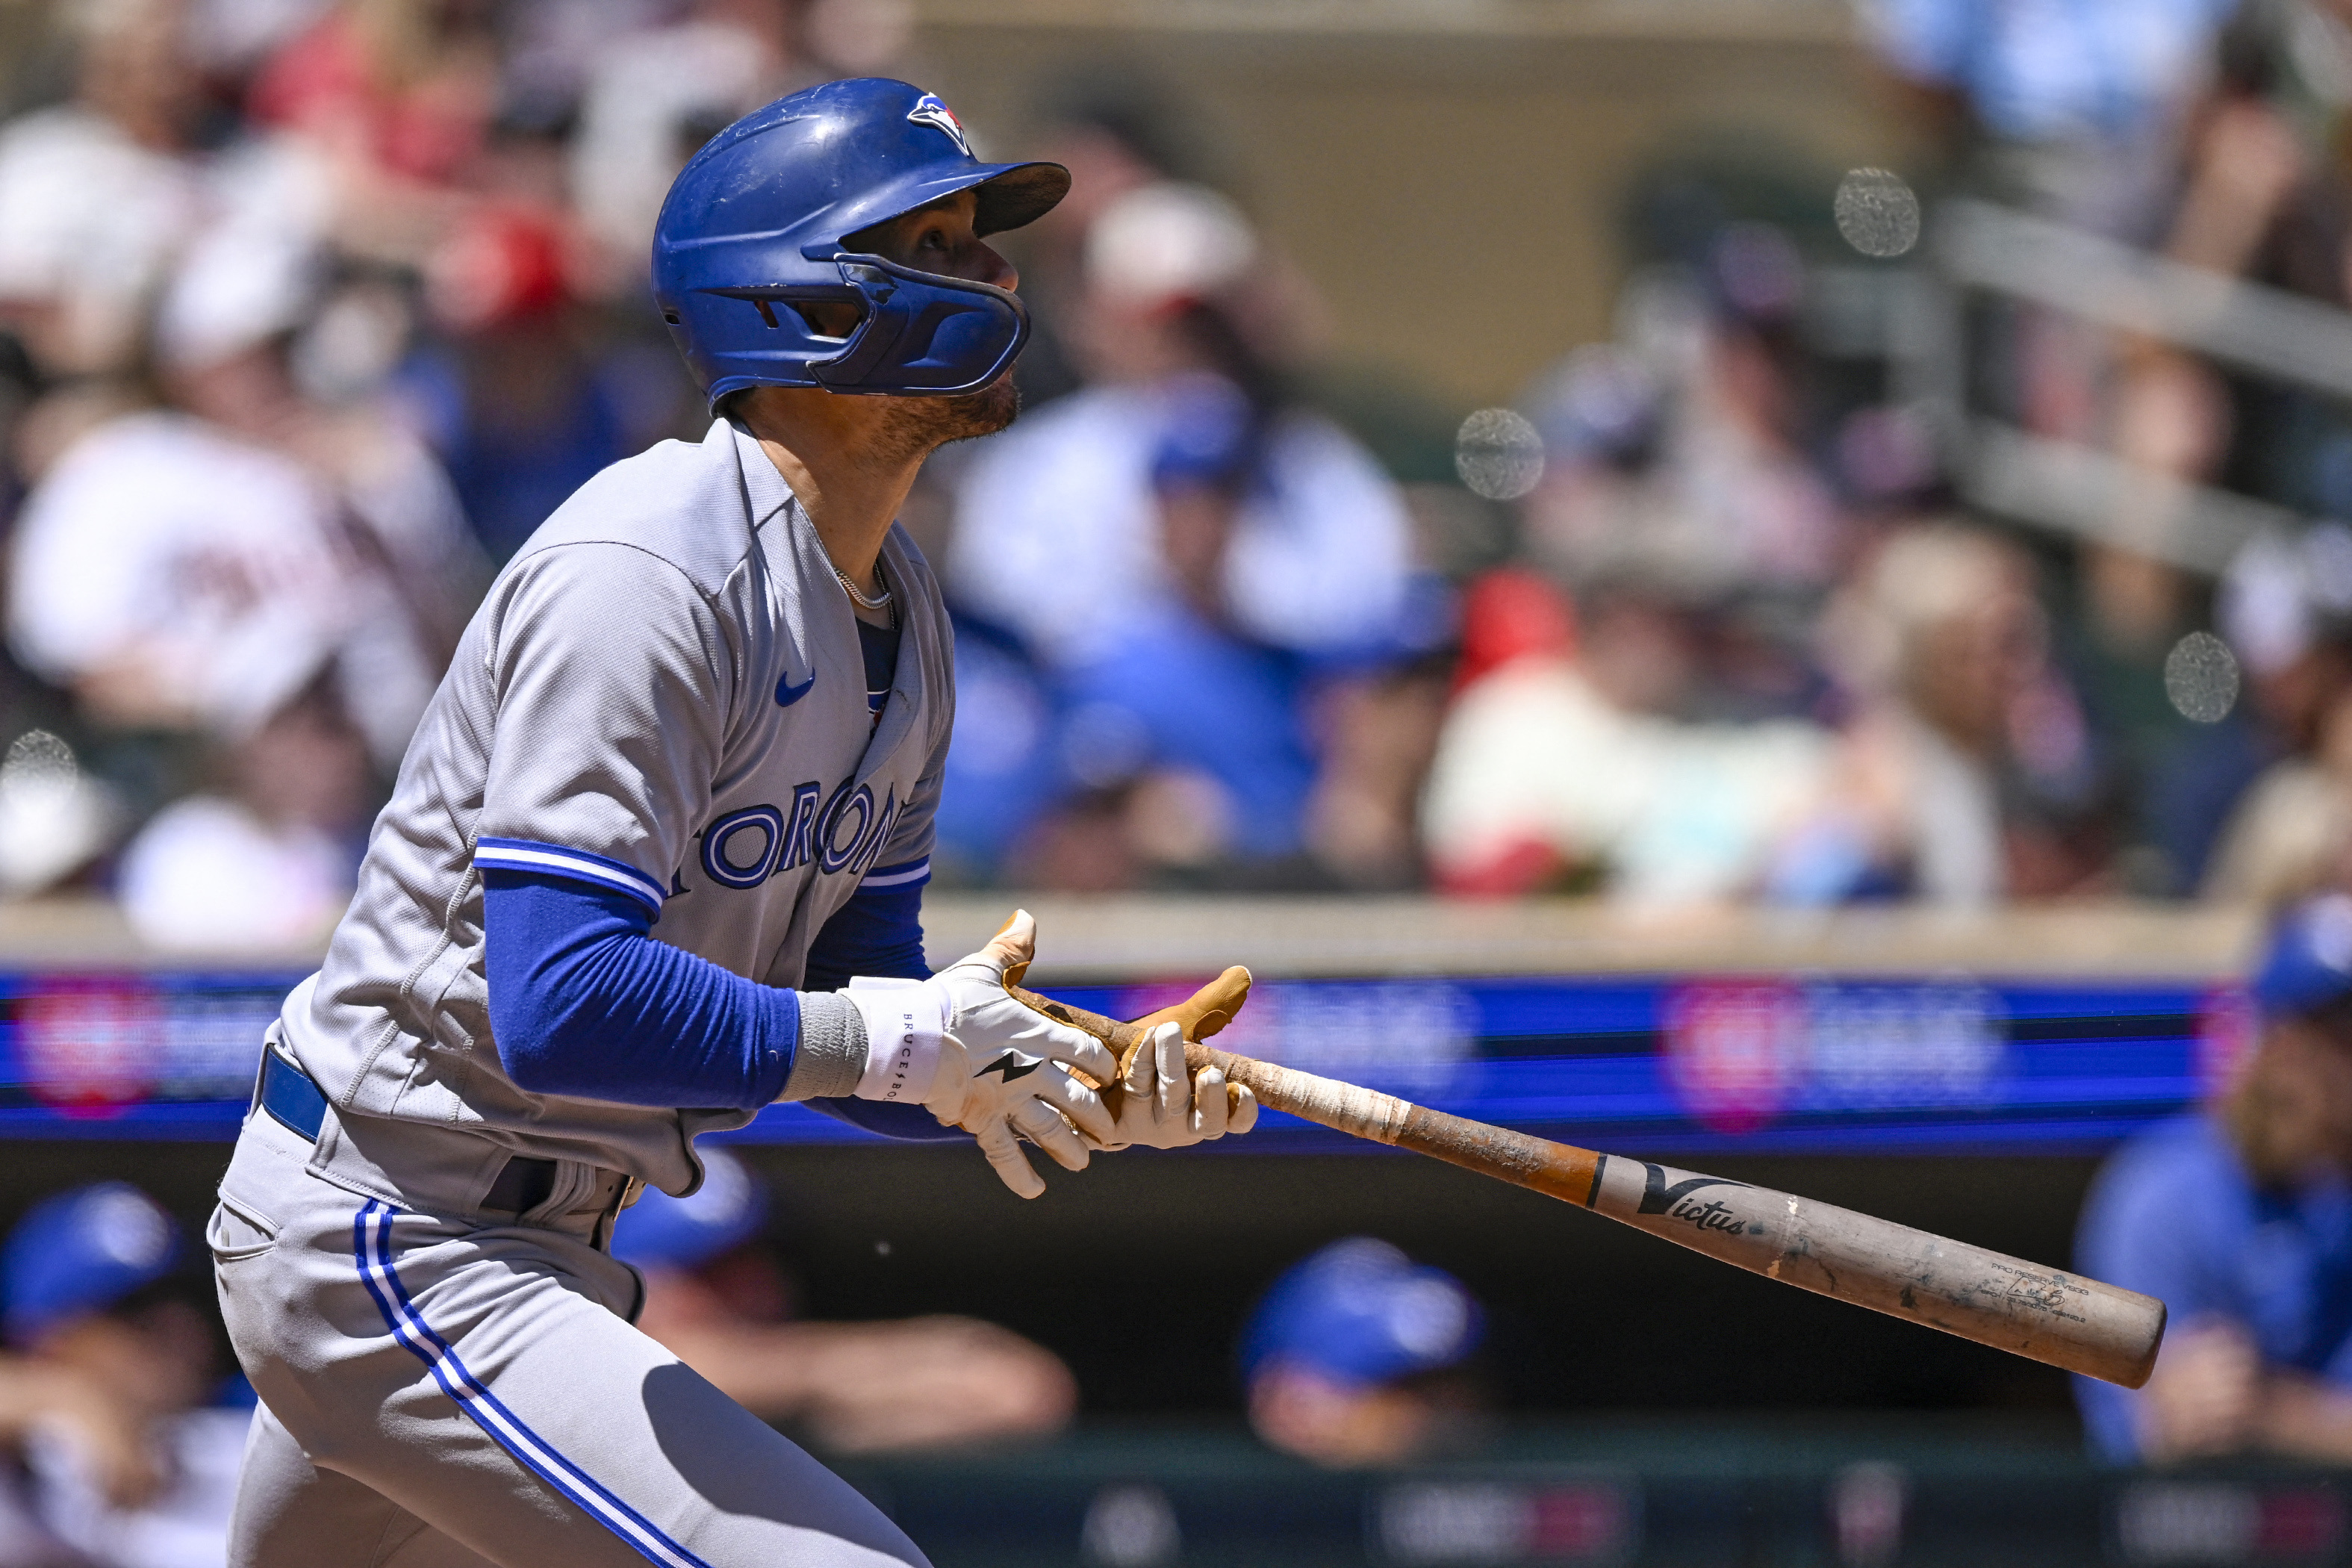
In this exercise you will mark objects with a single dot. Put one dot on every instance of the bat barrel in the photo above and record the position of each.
(2046, 1314)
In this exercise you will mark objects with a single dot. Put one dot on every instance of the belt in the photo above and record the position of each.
(299, 1106)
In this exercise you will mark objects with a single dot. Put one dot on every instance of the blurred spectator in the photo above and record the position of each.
(266, 861)
(662, 79)
(2239, 1220)
(2286, 609)
(1185, 404)
(1964, 772)
(1686, 500)
(1115, 130)
(1545, 780)
(395, 99)
(1198, 568)
(653, 97)
(715, 1297)
(1355, 1356)
(522, 393)
(179, 577)
(97, 195)
(1674, 460)
(2069, 106)
(108, 1398)
(2261, 172)
(249, 339)
(1959, 774)
(171, 574)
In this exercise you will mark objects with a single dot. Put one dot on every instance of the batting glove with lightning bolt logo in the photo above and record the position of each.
(964, 1047)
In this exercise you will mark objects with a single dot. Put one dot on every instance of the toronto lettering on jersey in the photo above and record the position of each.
(844, 834)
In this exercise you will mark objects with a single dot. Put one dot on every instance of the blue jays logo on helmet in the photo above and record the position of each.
(774, 216)
(930, 111)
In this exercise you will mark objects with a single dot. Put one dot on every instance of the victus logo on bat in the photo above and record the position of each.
(1678, 1201)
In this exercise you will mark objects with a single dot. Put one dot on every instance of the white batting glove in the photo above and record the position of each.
(1166, 1107)
(963, 1049)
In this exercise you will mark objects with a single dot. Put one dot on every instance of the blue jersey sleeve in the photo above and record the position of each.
(584, 1002)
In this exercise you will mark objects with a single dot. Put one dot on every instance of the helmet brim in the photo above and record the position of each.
(1010, 195)
(1019, 195)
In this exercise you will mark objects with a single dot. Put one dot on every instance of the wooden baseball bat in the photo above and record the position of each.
(2042, 1313)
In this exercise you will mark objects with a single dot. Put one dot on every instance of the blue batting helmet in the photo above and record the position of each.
(760, 220)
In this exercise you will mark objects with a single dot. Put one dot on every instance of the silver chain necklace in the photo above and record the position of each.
(880, 602)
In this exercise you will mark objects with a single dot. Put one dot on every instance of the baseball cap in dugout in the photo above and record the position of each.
(2307, 966)
(1360, 1312)
(81, 1252)
(663, 1232)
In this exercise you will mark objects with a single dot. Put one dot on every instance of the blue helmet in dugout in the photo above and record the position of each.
(763, 218)
(82, 1252)
(2307, 967)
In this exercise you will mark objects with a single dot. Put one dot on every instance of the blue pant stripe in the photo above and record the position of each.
(372, 1249)
(443, 1359)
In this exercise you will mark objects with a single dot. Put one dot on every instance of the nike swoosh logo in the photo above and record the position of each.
(1009, 1066)
(787, 693)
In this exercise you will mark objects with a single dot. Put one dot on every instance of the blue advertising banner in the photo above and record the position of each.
(1705, 1064)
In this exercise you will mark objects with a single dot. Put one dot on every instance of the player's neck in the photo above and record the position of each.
(850, 484)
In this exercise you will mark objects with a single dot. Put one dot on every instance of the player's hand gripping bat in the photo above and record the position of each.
(2062, 1319)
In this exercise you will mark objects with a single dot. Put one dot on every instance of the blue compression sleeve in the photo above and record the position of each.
(584, 1002)
(880, 932)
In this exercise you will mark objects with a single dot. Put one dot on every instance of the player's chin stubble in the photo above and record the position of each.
(919, 425)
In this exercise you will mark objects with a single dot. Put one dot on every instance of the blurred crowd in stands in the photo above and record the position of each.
(1757, 645)
(311, 310)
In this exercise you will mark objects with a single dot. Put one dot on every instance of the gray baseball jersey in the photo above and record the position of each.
(663, 693)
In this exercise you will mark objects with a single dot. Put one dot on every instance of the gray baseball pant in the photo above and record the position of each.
(445, 1386)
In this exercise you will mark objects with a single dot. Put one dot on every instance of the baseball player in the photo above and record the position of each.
(655, 860)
